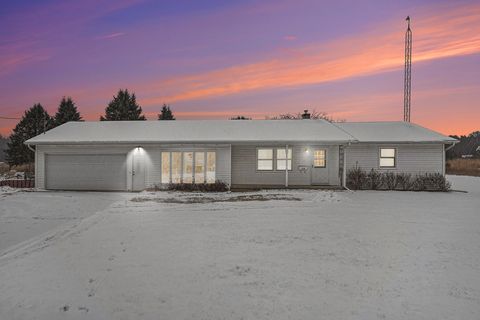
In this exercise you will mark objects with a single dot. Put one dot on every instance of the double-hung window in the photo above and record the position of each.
(264, 159)
(284, 157)
(388, 157)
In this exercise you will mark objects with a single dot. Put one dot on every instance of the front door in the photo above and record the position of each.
(138, 170)
(319, 166)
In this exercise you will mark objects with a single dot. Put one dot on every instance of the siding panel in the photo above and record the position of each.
(244, 165)
(411, 158)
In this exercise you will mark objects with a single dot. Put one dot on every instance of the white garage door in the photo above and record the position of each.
(86, 172)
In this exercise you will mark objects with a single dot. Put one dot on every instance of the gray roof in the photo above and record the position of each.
(192, 131)
(392, 131)
(235, 131)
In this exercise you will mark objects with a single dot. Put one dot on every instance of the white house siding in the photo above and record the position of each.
(149, 155)
(411, 158)
(245, 173)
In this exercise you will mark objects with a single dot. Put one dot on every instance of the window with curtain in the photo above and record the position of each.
(200, 167)
(319, 158)
(211, 163)
(165, 167)
(176, 167)
(188, 167)
(187, 175)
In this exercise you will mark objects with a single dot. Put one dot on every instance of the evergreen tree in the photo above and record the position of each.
(34, 122)
(166, 113)
(240, 118)
(123, 107)
(67, 111)
(3, 147)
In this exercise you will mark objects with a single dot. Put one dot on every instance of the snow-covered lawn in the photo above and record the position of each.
(303, 255)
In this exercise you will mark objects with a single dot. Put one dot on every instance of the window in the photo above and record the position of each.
(165, 167)
(187, 176)
(264, 159)
(387, 157)
(282, 159)
(199, 167)
(188, 167)
(176, 167)
(319, 158)
(211, 167)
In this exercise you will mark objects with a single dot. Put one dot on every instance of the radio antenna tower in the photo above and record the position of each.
(407, 89)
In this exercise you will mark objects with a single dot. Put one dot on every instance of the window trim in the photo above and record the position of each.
(276, 159)
(394, 157)
(324, 159)
(273, 159)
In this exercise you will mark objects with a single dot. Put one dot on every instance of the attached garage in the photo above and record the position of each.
(86, 172)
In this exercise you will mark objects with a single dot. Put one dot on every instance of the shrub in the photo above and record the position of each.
(420, 183)
(404, 181)
(432, 182)
(374, 179)
(389, 180)
(218, 186)
(356, 179)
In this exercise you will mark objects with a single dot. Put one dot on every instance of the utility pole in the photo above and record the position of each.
(407, 85)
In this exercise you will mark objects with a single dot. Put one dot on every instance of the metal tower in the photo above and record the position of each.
(407, 89)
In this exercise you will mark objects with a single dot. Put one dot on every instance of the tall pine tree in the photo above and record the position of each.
(166, 113)
(67, 111)
(35, 121)
(123, 107)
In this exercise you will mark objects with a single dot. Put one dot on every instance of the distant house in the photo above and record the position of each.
(134, 155)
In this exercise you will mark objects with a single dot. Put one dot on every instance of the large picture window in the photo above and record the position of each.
(199, 167)
(264, 159)
(188, 167)
(176, 167)
(282, 159)
(211, 163)
(388, 157)
(165, 167)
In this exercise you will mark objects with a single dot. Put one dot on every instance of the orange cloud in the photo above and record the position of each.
(439, 33)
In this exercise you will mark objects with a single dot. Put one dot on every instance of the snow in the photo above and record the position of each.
(25, 214)
(329, 255)
(392, 131)
(188, 131)
(228, 131)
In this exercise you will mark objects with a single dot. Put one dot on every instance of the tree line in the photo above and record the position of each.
(36, 120)
(467, 146)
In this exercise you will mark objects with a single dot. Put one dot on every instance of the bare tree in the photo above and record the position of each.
(299, 116)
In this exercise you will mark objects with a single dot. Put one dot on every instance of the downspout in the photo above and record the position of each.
(30, 147)
(344, 172)
(286, 166)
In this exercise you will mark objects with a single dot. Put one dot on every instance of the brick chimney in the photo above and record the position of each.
(305, 114)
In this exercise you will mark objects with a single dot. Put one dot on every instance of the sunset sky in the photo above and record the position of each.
(217, 59)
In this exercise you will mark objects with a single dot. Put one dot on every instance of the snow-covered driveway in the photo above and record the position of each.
(25, 215)
(304, 255)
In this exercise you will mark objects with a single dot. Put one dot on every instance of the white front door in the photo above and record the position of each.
(138, 170)
(319, 166)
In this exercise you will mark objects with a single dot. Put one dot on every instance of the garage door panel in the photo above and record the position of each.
(86, 172)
